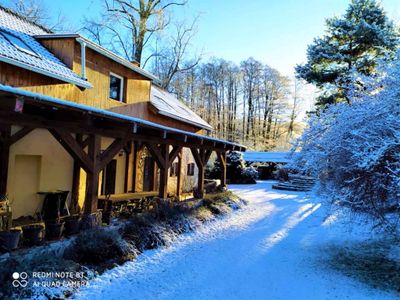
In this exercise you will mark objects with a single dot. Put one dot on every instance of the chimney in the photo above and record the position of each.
(136, 63)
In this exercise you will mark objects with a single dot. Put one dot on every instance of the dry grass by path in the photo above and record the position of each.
(370, 262)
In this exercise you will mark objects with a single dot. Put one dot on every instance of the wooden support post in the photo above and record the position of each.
(93, 161)
(92, 179)
(222, 159)
(164, 175)
(201, 158)
(5, 134)
(201, 176)
(136, 149)
(155, 175)
(128, 165)
(180, 177)
(76, 177)
(164, 159)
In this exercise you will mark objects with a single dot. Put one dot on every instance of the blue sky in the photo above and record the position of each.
(276, 32)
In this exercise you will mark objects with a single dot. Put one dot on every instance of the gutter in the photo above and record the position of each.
(26, 66)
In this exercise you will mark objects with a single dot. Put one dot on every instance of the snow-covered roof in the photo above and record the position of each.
(168, 105)
(106, 113)
(19, 47)
(274, 157)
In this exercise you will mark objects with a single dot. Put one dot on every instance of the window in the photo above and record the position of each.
(174, 170)
(190, 169)
(116, 87)
(18, 43)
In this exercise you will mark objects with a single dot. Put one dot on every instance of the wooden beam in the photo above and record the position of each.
(207, 155)
(164, 175)
(136, 149)
(110, 152)
(82, 126)
(76, 177)
(200, 159)
(85, 143)
(173, 154)
(155, 175)
(196, 156)
(157, 154)
(180, 175)
(5, 133)
(92, 178)
(73, 148)
(201, 176)
(128, 167)
(20, 134)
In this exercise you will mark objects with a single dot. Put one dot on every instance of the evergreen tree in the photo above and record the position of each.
(354, 43)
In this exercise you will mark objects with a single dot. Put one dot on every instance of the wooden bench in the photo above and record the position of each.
(107, 202)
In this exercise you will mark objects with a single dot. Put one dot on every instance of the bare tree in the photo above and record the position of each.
(296, 99)
(172, 59)
(128, 26)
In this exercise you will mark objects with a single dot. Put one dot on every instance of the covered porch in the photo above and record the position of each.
(80, 129)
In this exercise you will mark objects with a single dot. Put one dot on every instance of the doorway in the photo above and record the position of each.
(109, 178)
(26, 185)
(148, 174)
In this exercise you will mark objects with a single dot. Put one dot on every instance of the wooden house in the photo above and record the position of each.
(75, 116)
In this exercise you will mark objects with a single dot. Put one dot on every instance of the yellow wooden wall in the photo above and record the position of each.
(98, 68)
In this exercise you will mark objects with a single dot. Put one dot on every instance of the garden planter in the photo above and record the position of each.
(9, 239)
(72, 224)
(33, 234)
(54, 229)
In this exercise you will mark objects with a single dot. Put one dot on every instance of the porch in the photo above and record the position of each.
(80, 129)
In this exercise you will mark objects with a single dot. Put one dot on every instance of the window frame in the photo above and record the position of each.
(190, 169)
(121, 96)
(174, 169)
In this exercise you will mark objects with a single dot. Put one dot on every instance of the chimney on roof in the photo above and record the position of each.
(136, 63)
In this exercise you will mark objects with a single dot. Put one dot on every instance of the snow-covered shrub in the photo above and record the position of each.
(222, 203)
(249, 175)
(97, 246)
(203, 214)
(282, 173)
(220, 208)
(236, 171)
(138, 231)
(354, 150)
(234, 166)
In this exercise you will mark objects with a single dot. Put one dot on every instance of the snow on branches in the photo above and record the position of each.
(354, 150)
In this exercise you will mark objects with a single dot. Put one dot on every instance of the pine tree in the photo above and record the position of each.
(354, 43)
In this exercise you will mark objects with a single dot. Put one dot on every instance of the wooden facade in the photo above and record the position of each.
(86, 142)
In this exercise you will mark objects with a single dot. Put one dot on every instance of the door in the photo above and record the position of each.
(148, 174)
(109, 178)
(26, 202)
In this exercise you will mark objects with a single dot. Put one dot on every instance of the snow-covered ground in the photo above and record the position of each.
(268, 250)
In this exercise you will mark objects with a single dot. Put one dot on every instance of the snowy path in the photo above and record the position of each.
(268, 250)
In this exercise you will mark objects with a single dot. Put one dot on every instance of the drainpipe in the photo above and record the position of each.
(83, 57)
